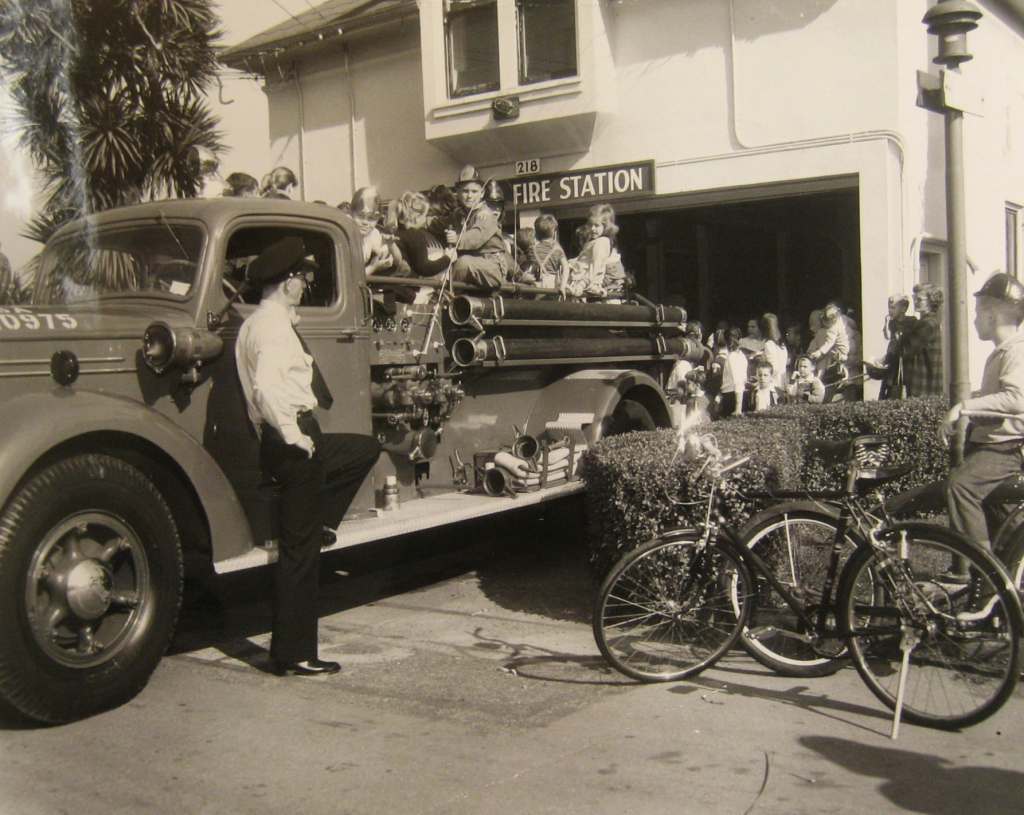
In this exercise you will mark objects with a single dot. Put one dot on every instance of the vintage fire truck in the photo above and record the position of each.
(128, 456)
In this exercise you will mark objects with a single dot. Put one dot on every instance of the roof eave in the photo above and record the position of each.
(336, 30)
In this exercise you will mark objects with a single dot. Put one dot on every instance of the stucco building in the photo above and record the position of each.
(761, 155)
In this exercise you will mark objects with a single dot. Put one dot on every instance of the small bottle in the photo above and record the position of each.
(391, 499)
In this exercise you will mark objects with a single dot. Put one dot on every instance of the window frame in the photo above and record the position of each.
(1013, 219)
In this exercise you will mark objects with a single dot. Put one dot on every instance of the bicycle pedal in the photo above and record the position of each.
(766, 631)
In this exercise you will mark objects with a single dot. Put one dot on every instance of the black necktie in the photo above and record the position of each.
(320, 389)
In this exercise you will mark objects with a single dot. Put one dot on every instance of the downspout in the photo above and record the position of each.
(302, 120)
(351, 122)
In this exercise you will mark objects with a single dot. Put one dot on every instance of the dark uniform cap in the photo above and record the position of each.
(494, 194)
(1002, 287)
(468, 175)
(276, 261)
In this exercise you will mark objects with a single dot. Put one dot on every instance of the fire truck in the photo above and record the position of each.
(128, 457)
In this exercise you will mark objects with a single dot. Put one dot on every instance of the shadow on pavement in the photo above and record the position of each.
(925, 783)
(536, 662)
(523, 563)
(799, 696)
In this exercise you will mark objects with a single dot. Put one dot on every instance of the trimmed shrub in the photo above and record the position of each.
(638, 486)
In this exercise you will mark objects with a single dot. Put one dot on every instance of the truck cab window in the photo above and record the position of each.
(245, 245)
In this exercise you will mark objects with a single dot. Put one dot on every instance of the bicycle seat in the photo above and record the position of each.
(831, 451)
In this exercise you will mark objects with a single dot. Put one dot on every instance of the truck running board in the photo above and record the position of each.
(412, 516)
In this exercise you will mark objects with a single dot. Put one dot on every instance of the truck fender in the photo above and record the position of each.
(584, 399)
(39, 422)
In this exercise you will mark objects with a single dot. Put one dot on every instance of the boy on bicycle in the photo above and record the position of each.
(993, 449)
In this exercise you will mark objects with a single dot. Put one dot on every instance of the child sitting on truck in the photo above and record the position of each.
(547, 254)
(599, 264)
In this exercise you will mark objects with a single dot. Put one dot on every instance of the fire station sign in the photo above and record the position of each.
(583, 186)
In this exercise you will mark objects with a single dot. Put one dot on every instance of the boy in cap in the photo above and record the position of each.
(483, 259)
(319, 473)
(993, 449)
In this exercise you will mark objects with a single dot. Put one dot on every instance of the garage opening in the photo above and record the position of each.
(732, 261)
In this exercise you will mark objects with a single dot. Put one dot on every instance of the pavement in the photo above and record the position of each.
(472, 685)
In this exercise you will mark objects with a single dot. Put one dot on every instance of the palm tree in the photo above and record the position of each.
(110, 93)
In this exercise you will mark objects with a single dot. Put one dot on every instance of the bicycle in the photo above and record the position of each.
(935, 656)
(796, 537)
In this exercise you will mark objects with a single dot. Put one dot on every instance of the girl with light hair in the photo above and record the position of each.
(407, 221)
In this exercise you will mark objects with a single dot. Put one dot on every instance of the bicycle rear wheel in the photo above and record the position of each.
(965, 657)
(795, 543)
(671, 608)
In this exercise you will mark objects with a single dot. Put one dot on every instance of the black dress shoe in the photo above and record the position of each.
(307, 667)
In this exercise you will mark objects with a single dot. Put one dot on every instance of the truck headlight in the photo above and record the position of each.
(164, 346)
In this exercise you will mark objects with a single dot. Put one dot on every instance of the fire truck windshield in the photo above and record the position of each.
(117, 261)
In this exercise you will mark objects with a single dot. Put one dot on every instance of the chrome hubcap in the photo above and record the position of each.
(87, 589)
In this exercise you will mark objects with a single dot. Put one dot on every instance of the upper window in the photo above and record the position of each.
(539, 37)
(120, 261)
(471, 36)
(547, 39)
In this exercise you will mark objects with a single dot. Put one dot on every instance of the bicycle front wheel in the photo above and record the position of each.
(671, 608)
(963, 641)
(795, 543)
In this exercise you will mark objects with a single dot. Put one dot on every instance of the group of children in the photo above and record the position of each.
(748, 374)
(596, 273)
(534, 257)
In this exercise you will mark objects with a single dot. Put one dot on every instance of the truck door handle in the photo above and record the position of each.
(367, 298)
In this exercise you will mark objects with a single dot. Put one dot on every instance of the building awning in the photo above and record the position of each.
(328, 20)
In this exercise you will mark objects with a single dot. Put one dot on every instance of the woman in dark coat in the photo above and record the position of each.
(923, 373)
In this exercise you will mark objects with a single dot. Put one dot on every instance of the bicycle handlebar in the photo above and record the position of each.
(991, 414)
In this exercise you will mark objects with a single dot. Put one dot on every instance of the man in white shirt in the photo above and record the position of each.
(319, 474)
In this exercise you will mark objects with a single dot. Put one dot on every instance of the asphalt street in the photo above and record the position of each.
(472, 685)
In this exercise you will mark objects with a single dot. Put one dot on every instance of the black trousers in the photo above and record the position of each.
(315, 492)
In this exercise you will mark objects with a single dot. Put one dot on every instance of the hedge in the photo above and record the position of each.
(634, 479)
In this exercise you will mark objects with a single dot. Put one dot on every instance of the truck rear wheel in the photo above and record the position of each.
(90, 588)
(629, 415)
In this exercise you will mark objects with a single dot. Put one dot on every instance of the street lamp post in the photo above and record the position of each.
(950, 20)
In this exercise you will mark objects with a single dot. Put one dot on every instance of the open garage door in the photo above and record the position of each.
(735, 259)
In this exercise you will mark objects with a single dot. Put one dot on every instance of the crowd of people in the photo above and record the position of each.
(753, 368)
(459, 231)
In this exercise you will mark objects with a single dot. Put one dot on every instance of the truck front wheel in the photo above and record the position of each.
(90, 588)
